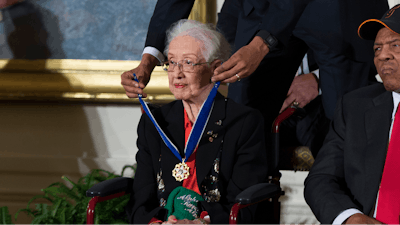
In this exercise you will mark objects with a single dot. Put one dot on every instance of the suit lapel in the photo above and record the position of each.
(377, 124)
(209, 145)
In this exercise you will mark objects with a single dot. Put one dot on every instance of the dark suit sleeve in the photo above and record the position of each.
(166, 13)
(281, 18)
(326, 191)
(144, 204)
(249, 167)
(228, 20)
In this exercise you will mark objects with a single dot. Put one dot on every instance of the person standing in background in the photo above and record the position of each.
(270, 39)
(260, 32)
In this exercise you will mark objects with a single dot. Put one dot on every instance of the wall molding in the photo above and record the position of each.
(64, 80)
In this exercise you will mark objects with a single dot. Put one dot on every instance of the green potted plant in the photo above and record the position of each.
(68, 205)
(5, 217)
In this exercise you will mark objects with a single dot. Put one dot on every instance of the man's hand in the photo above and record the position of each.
(303, 90)
(243, 63)
(359, 218)
(143, 72)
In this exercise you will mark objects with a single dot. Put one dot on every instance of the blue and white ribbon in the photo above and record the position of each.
(197, 130)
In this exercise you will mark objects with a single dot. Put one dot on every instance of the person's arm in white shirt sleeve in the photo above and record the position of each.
(154, 52)
(345, 215)
(151, 57)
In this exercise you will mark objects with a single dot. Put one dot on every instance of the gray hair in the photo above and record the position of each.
(215, 44)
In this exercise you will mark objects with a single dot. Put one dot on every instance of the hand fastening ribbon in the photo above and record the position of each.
(181, 170)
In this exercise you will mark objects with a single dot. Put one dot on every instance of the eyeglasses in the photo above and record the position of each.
(184, 65)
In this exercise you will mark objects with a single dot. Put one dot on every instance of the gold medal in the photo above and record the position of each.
(181, 171)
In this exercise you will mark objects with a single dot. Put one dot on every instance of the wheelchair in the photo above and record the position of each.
(270, 191)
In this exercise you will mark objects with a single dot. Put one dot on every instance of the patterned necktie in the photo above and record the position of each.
(388, 209)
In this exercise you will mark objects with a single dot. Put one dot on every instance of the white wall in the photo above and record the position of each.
(42, 142)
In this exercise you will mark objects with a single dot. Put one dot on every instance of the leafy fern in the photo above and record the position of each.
(68, 205)
(5, 217)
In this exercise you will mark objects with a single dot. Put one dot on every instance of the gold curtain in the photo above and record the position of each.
(204, 11)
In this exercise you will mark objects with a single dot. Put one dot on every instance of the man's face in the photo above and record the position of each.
(387, 58)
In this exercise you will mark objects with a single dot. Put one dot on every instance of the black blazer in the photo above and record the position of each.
(348, 169)
(353, 13)
(335, 24)
(242, 163)
(239, 20)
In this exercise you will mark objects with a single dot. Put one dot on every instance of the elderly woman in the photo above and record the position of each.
(228, 156)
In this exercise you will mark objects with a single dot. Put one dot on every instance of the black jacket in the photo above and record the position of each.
(348, 169)
(239, 20)
(243, 161)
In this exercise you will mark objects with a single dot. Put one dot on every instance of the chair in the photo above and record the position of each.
(269, 191)
(283, 128)
(120, 186)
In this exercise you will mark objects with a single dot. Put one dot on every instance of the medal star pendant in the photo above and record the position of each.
(181, 171)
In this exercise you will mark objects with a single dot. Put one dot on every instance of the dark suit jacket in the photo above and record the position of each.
(348, 169)
(329, 28)
(242, 164)
(239, 20)
(353, 13)
(335, 23)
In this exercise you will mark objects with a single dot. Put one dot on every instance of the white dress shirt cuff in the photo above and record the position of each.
(345, 215)
(154, 52)
(316, 73)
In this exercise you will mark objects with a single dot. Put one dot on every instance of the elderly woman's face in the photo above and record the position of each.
(188, 85)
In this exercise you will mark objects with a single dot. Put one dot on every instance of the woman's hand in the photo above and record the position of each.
(172, 220)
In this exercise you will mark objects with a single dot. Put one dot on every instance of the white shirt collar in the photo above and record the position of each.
(392, 3)
(396, 100)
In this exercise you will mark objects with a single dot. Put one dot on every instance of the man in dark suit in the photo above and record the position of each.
(254, 27)
(352, 178)
(270, 40)
(328, 27)
(261, 33)
(321, 24)
(345, 61)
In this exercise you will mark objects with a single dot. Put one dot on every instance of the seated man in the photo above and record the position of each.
(356, 176)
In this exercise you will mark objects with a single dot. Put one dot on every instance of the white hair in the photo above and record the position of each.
(215, 45)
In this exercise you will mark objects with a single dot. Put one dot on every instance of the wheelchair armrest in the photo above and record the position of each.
(288, 112)
(258, 193)
(109, 187)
